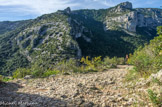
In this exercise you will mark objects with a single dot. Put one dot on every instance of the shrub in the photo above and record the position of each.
(91, 65)
(5, 79)
(141, 61)
(114, 61)
(121, 61)
(94, 62)
(79, 69)
(107, 60)
(66, 66)
(147, 60)
(74, 66)
(37, 68)
(111, 62)
(21, 72)
(50, 72)
(37, 72)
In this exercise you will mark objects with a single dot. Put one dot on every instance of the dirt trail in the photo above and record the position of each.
(100, 89)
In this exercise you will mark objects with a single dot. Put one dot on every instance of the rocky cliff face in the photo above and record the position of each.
(149, 17)
(50, 38)
(127, 21)
(123, 6)
(127, 18)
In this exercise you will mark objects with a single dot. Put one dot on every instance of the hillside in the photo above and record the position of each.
(66, 34)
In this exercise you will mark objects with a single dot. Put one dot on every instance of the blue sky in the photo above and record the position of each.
(28, 9)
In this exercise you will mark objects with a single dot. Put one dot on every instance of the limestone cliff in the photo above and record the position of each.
(125, 17)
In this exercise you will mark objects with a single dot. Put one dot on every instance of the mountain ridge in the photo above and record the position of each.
(69, 34)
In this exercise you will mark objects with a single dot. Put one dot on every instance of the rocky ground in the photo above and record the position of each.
(101, 89)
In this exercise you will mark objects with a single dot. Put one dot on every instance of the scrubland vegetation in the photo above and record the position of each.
(147, 60)
(84, 65)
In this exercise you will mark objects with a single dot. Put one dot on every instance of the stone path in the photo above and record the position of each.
(101, 89)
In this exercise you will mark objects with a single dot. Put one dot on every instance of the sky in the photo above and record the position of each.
(12, 10)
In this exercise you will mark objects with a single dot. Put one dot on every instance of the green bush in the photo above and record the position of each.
(92, 65)
(5, 79)
(74, 66)
(38, 68)
(142, 61)
(114, 61)
(50, 72)
(37, 73)
(121, 61)
(107, 61)
(66, 66)
(111, 62)
(21, 72)
(147, 60)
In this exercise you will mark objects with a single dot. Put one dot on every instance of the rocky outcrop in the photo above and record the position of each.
(68, 10)
(65, 11)
(127, 5)
(78, 31)
(125, 17)
(122, 6)
(52, 36)
(127, 21)
(149, 17)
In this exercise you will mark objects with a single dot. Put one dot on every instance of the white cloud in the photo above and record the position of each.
(109, 3)
(25, 9)
(38, 6)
